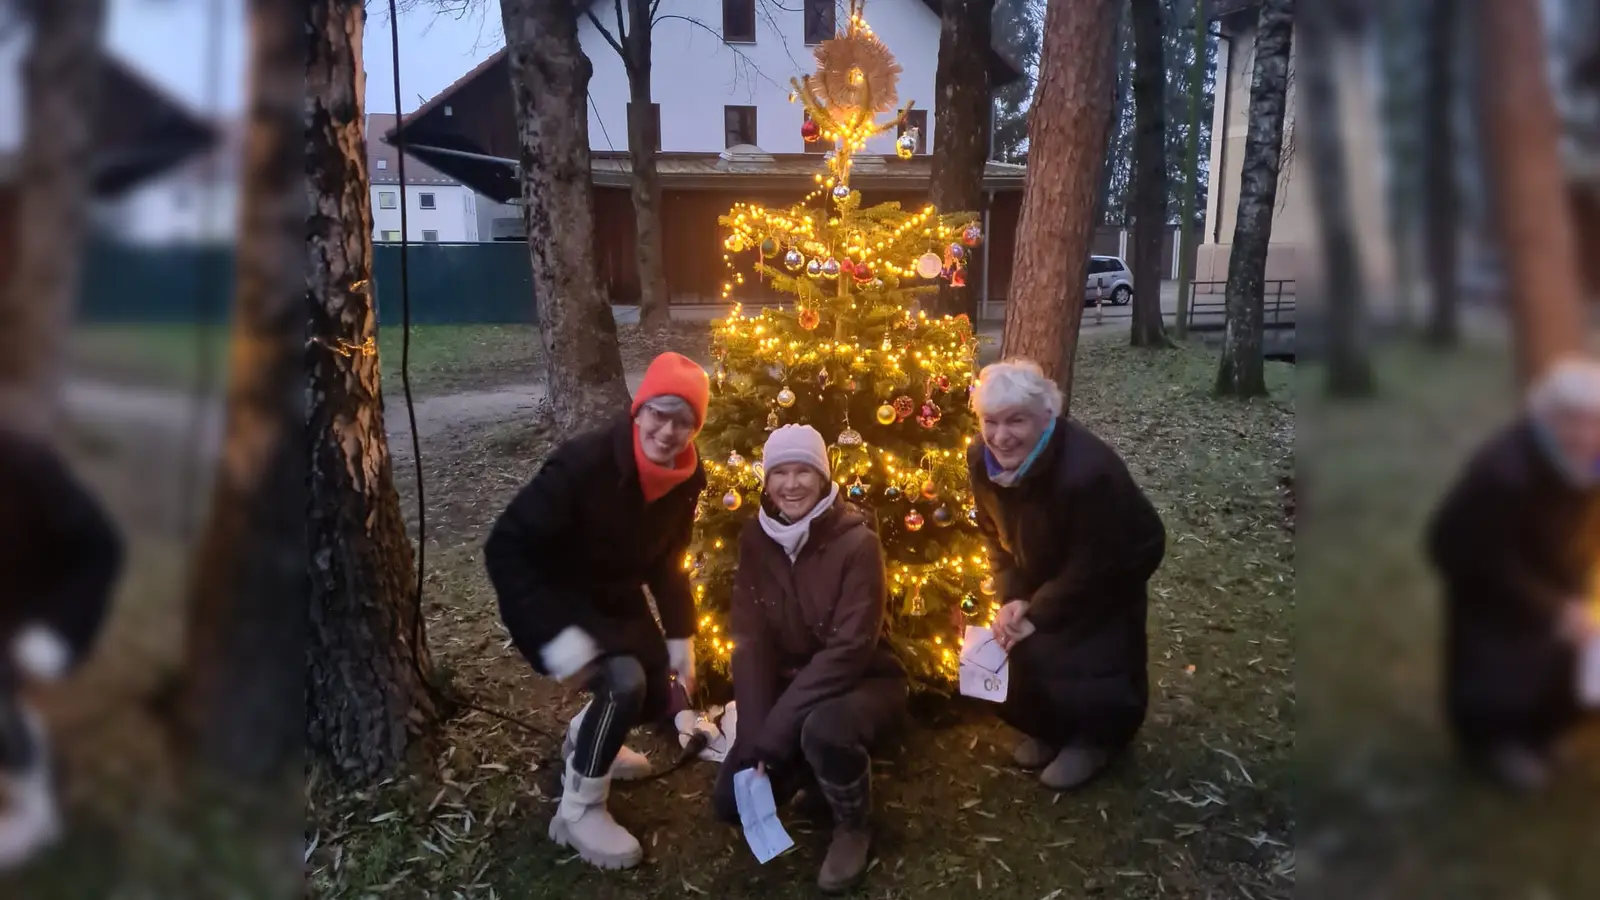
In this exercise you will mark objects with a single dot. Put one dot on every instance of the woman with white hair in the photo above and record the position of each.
(609, 513)
(1516, 543)
(1072, 543)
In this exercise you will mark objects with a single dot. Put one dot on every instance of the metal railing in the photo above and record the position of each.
(1279, 306)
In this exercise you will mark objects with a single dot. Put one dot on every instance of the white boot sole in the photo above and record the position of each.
(560, 833)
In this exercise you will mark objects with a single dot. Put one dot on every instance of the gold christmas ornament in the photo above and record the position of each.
(786, 397)
(886, 415)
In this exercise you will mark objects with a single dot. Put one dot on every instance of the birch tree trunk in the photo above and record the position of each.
(1528, 181)
(655, 310)
(1189, 229)
(60, 78)
(1442, 205)
(961, 128)
(1066, 140)
(244, 696)
(365, 696)
(1242, 372)
(1149, 173)
(549, 83)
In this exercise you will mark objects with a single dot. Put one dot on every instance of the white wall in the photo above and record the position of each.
(694, 74)
(454, 216)
(173, 210)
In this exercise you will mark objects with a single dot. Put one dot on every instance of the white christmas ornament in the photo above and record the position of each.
(929, 265)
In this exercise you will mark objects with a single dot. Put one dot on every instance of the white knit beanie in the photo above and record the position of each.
(796, 444)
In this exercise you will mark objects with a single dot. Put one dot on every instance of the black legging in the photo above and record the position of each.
(625, 695)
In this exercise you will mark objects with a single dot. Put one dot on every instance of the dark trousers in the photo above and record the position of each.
(1057, 701)
(625, 694)
(835, 740)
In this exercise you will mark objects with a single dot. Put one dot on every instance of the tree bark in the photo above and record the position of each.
(1349, 371)
(961, 129)
(365, 694)
(244, 697)
(1150, 173)
(60, 78)
(1242, 372)
(549, 83)
(1066, 140)
(1442, 206)
(1528, 184)
(655, 310)
(1188, 228)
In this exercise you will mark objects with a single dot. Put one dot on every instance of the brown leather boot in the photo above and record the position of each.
(851, 846)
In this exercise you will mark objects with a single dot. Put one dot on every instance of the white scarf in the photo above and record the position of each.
(792, 537)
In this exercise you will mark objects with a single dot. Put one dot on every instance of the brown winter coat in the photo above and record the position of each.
(807, 631)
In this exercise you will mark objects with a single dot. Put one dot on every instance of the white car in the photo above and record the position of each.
(1110, 282)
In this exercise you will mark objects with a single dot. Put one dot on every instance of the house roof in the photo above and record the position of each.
(141, 131)
(417, 171)
(749, 167)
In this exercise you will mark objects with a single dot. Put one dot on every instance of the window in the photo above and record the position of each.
(425, 201)
(430, 235)
(739, 124)
(918, 119)
(739, 21)
(390, 236)
(655, 122)
(387, 200)
(819, 21)
(1100, 265)
(820, 145)
(383, 164)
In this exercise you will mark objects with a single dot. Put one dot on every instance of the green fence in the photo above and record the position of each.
(448, 283)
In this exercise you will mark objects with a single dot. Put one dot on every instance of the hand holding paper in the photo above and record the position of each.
(985, 666)
(758, 812)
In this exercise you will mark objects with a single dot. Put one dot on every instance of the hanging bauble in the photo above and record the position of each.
(913, 521)
(929, 265)
(904, 406)
(943, 381)
(863, 273)
(758, 470)
(957, 251)
(987, 586)
(732, 501)
(877, 284)
(841, 192)
(735, 242)
(785, 397)
(823, 378)
(814, 268)
(958, 278)
(699, 511)
(846, 267)
(735, 460)
(972, 515)
(918, 606)
(830, 267)
(929, 416)
(929, 489)
(942, 517)
(969, 604)
(849, 438)
(905, 146)
(810, 318)
(809, 130)
(772, 421)
(794, 259)
(886, 415)
(973, 236)
(857, 490)
(769, 247)
(891, 492)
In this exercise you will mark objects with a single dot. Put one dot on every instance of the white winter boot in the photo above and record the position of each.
(582, 823)
(29, 821)
(629, 765)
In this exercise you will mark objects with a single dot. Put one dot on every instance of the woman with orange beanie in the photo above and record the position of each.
(610, 512)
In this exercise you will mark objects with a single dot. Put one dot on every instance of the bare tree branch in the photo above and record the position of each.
(626, 63)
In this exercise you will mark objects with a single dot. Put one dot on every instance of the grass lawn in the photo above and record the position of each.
(1201, 807)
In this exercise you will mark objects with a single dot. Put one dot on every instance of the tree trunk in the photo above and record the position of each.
(1242, 371)
(1188, 227)
(961, 129)
(1349, 370)
(365, 696)
(550, 86)
(60, 79)
(655, 310)
(1066, 139)
(1529, 186)
(1442, 207)
(245, 691)
(1149, 173)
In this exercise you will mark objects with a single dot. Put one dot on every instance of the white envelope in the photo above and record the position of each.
(985, 667)
(1589, 674)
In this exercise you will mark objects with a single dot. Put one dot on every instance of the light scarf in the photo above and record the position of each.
(791, 536)
(1583, 474)
(1009, 477)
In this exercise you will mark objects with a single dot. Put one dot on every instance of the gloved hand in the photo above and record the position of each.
(680, 659)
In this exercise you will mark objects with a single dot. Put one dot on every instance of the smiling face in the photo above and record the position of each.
(1012, 432)
(795, 488)
(663, 436)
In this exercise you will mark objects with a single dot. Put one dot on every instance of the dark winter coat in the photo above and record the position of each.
(1079, 540)
(578, 544)
(1514, 544)
(60, 552)
(807, 631)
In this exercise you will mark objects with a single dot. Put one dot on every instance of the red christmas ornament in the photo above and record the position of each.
(958, 278)
(810, 131)
(810, 318)
(929, 416)
(847, 267)
(863, 272)
(943, 381)
(904, 406)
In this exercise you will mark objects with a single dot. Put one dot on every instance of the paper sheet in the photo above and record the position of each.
(985, 668)
(720, 726)
(1589, 674)
(758, 812)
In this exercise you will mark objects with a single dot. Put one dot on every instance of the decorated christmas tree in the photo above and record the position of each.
(852, 356)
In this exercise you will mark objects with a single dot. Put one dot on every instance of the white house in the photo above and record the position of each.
(438, 207)
(195, 203)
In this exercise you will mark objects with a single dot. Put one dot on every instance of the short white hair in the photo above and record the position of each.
(1016, 384)
(672, 406)
(1571, 385)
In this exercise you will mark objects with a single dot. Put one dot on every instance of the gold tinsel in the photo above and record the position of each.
(857, 72)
